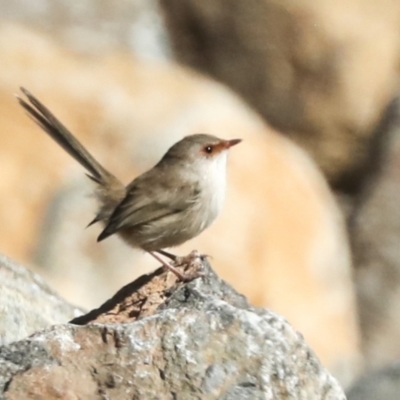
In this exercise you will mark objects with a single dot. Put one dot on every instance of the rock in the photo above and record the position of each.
(136, 26)
(301, 65)
(375, 232)
(159, 339)
(383, 384)
(27, 304)
(280, 238)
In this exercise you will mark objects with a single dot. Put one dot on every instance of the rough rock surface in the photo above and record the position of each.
(162, 339)
(27, 304)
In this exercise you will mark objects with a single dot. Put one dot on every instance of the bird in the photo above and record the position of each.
(163, 207)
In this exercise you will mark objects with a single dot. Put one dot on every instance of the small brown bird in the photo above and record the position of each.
(164, 207)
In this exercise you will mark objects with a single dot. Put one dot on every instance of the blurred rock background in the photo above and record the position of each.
(311, 226)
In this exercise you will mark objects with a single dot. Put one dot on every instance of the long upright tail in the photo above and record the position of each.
(110, 190)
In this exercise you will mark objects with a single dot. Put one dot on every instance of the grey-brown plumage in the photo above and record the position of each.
(166, 206)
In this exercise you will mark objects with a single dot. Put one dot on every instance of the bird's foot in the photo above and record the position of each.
(193, 258)
(183, 260)
(194, 261)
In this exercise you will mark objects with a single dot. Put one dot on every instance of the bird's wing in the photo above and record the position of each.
(148, 200)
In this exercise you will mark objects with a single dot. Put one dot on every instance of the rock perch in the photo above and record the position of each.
(158, 338)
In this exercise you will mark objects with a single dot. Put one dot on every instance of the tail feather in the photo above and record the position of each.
(52, 126)
(110, 191)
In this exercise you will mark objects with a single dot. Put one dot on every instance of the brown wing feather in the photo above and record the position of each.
(148, 200)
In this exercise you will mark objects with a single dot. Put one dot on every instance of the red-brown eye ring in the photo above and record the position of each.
(208, 149)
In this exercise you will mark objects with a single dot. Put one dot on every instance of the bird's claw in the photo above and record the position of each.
(194, 260)
(188, 260)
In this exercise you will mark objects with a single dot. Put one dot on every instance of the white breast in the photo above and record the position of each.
(213, 184)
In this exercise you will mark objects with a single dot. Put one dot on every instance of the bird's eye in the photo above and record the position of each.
(208, 149)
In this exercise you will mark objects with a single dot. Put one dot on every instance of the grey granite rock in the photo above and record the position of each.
(27, 304)
(199, 340)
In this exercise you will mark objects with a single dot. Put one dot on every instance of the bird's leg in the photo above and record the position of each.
(181, 276)
(171, 256)
(183, 260)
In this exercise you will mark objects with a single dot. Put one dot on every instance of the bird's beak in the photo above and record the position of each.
(225, 145)
(233, 142)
